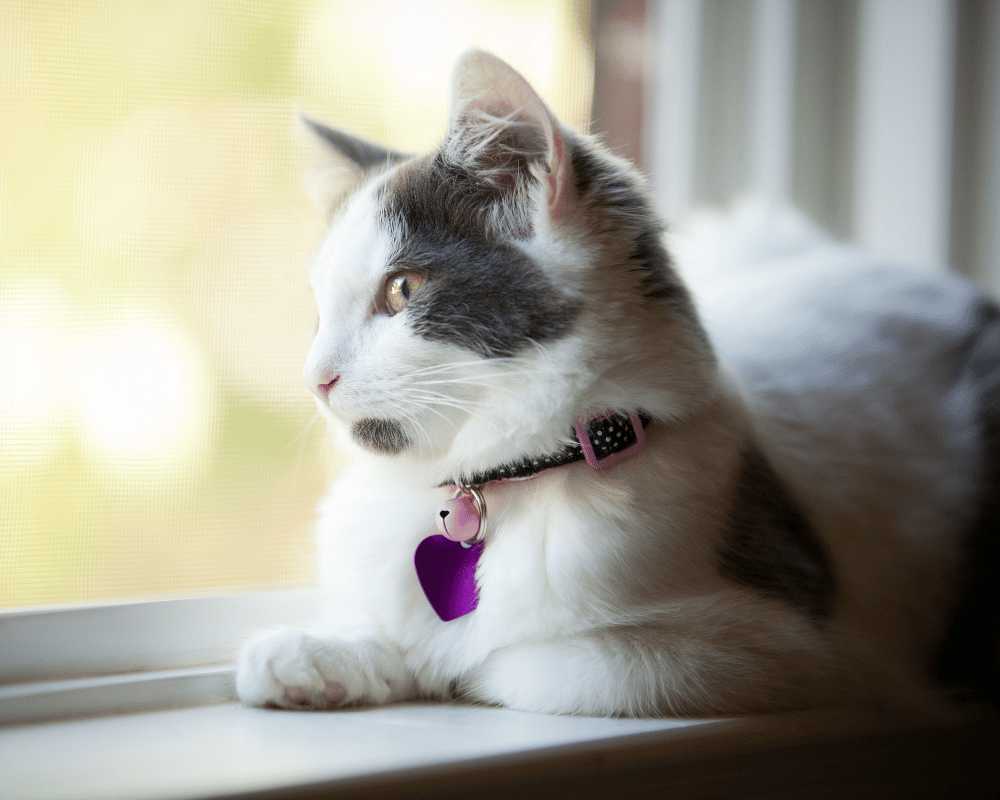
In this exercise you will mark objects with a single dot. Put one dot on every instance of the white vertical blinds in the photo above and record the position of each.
(879, 118)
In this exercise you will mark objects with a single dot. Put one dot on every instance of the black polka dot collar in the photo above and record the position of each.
(602, 440)
(446, 562)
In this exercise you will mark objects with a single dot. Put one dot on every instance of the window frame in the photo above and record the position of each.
(62, 661)
(66, 661)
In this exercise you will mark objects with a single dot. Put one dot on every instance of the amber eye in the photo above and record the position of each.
(399, 288)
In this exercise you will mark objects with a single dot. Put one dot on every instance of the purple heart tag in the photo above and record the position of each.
(447, 574)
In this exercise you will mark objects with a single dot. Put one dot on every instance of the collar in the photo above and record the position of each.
(602, 440)
(446, 564)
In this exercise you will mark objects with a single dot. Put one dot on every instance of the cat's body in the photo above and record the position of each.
(792, 532)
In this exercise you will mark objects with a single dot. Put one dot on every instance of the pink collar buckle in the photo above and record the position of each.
(606, 440)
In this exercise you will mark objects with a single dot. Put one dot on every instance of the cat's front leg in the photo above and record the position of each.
(297, 670)
(651, 671)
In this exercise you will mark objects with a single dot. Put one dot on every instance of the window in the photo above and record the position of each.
(159, 458)
(154, 437)
(154, 310)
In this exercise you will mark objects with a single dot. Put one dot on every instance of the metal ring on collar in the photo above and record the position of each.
(480, 501)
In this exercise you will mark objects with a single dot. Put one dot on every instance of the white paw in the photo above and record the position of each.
(293, 669)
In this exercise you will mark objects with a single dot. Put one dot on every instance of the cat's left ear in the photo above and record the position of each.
(502, 130)
(340, 162)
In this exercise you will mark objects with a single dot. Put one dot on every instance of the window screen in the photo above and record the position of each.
(155, 439)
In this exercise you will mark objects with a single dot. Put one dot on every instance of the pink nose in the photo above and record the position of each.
(324, 389)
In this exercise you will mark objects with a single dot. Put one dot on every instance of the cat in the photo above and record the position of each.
(800, 442)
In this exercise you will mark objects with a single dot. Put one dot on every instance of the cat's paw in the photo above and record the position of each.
(295, 670)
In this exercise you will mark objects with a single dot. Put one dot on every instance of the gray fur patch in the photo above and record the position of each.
(623, 204)
(769, 544)
(481, 292)
(384, 436)
(367, 156)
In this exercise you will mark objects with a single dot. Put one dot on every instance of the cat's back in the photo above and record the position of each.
(875, 390)
(843, 347)
(778, 297)
(860, 377)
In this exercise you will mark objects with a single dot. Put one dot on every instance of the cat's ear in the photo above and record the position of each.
(500, 129)
(340, 162)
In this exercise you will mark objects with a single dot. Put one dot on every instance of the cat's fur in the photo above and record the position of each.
(791, 535)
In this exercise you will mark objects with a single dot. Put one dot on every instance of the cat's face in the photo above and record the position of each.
(464, 312)
(429, 319)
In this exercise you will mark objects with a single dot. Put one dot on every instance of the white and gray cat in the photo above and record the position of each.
(817, 437)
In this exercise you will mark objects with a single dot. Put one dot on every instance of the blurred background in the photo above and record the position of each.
(155, 439)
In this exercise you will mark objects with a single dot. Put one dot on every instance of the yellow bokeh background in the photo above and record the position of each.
(155, 439)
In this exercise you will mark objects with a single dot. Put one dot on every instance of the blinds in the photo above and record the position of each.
(879, 118)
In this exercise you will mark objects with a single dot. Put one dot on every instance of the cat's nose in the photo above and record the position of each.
(323, 390)
(321, 372)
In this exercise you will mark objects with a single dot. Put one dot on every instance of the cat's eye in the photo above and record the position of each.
(399, 288)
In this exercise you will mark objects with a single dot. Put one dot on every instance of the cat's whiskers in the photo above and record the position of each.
(493, 372)
(494, 379)
(411, 418)
(429, 404)
(427, 400)
(433, 368)
(428, 383)
(487, 380)
(300, 445)
(307, 429)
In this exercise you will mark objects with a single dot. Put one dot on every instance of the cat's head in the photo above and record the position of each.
(476, 301)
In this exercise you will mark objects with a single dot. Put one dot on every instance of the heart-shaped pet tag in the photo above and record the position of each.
(447, 573)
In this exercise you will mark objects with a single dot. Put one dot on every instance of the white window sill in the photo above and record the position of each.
(57, 663)
(115, 694)
(80, 667)
(442, 751)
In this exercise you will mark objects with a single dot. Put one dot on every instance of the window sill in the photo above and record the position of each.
(115, 694)
(442, 751)
(150, 658)
(58, 663)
